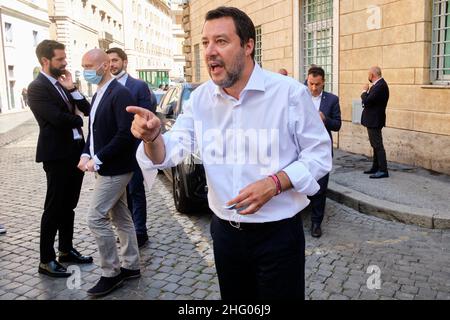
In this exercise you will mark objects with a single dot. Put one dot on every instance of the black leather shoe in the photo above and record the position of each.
(105, 285)
(129, 274)
(53, 269)
(316, 231)
(371, 171)
(74, 256)
(142, 239)
(379, 175)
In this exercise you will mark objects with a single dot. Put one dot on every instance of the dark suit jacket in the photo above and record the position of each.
(55, 121)
(114, 144)
(375, 103)
(329, 106)
(142, 95)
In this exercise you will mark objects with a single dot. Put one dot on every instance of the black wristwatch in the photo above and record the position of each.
(73, 89)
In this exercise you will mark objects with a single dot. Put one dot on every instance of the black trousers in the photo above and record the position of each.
(318, 200)
(379, 154)
(64, 181)
(260, 261)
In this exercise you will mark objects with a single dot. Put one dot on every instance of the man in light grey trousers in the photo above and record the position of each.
(110, 153)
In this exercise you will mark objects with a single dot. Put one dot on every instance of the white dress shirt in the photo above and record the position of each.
(76, 95)
(317, 100)
(272, 127)
(122, 78)
(100, 92)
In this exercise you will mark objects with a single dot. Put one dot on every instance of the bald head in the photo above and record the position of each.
(96, 57)
(374, 73)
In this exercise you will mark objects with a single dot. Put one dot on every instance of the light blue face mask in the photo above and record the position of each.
(91, 76)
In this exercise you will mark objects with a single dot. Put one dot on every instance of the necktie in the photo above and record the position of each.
(63, 95)
(69, 105)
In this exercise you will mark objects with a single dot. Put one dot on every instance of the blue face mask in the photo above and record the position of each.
(92, 77)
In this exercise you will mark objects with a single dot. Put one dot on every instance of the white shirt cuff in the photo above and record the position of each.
(301, 179)
(77, 95)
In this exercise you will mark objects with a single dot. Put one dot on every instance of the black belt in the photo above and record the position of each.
(254, 225)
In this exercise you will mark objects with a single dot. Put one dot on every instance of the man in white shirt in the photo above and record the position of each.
(263, 147)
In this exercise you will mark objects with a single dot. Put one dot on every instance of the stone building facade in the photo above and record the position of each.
(408, 39)
(24, 23)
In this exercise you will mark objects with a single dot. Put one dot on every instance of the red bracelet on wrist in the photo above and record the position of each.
(277, 182)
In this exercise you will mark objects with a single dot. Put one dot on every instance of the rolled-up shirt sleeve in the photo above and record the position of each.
(312, 141)
(179, 142)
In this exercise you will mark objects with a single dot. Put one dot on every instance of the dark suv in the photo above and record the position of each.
(188, 178)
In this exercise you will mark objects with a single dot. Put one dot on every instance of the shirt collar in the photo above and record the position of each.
(319, 96)
(50, 78)
(103, 89)
(255, 82)
(377, 81)
(122, 78)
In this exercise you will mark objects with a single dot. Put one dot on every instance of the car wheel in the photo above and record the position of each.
(182, 202)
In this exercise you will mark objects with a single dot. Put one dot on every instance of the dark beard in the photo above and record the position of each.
(234, 73)
(56, 73)
(231, 79)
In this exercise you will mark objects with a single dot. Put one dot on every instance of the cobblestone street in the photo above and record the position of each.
(178, 262)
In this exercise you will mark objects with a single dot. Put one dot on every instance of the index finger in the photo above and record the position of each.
(138, 110)
(239, 198)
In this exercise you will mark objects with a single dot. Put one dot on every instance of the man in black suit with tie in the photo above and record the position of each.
(327, 104)
(110, 152)
(54, 101)
(373, 117)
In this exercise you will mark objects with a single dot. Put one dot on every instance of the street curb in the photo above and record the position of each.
(385, 209)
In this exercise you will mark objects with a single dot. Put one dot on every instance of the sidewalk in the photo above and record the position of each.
(410, 195)
(15, 125)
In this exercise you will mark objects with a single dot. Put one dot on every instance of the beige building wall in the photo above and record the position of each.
(3, 77)
(274, 17)
(398, 40)
(28, 24)
(179, 61)
(84, 25)
(148, 30)
(418, 114)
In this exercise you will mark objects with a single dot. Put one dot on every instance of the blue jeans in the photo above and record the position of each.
(137, 202)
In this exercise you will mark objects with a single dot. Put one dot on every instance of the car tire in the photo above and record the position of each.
(182, 202)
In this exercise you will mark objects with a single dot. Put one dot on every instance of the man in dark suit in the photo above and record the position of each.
(374, 100)
(54, 101)
(327, 104)
(144, 98)
(110, 153)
